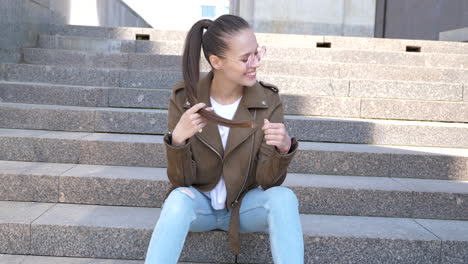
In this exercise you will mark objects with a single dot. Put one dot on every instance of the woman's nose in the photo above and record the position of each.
(256, 62)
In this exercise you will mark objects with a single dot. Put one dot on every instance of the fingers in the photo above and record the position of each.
(195, 108)
(198, 121)
(274, 137)
(273, 128)
(202, 125)
(281, 131)
(194, 117)
(275, 133)
(267, 125)
(274, 143)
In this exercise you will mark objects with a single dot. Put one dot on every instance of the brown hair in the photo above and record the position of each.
(214, 42)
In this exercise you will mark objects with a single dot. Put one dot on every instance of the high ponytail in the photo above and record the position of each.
(213, 43)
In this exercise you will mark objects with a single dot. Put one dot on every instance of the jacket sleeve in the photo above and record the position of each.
(272, 166)
(181, 168)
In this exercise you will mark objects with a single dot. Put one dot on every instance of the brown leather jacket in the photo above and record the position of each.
(247, 161)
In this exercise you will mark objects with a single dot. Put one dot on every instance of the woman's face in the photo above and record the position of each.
(240, 47)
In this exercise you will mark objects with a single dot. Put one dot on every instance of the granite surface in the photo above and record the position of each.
(415, 110)
(15, 223)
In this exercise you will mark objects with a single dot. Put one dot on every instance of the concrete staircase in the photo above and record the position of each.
(381, 172)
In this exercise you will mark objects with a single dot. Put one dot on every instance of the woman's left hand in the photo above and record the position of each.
(276, 135)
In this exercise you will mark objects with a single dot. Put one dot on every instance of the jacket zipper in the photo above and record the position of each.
(212, 148)
(248, 169)
(222, 162)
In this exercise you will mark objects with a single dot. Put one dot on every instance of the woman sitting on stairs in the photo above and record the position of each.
(227, 149)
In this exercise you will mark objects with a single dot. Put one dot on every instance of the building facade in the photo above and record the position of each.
(22, 20)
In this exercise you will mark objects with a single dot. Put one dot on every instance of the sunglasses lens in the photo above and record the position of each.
(260, 53)
(250, 60)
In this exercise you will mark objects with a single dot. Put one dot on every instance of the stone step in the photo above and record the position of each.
(94, 231)
(294, 104)
(29, 259)
(331, 85)
(312, 157)
(89, 76)
(301, 68)
(110, 45)
(353, 43)
(396, 45)
(317, 194)
(82, 95)
(305, 128)
(78, 95)
(117, 33)
(114, 47)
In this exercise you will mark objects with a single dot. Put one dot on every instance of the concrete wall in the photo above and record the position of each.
(417, 19)
(176, 14)
(318, 17)
(22, 20)
(108, 13)
(460, 34)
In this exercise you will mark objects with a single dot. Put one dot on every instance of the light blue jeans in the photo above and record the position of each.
(273, 211)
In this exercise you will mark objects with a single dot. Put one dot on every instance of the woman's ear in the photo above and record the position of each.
(216, 62)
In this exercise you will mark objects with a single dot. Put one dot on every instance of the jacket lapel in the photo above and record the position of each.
(254, 97)
(210, 133)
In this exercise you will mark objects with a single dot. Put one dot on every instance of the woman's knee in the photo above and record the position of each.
(282, 196)
(180, 201)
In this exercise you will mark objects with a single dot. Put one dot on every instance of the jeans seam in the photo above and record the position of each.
(198, 213)
(254, 209)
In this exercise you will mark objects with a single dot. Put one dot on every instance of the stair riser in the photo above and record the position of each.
(86, 44)
(294, 103)
(110, 51)
(287, 84)
(77, 188)
(296, 68)
(155, 122)
(376, 108)
(100, 242)
(271, 39)
(84, 96)
(396, 45)
(28, 259)
(120, 33)
(414, 110)
(255, 247)
(110, 45)
(90, 77)
(150, 152)
(380, 164)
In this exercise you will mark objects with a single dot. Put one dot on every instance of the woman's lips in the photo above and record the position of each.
(251, 75)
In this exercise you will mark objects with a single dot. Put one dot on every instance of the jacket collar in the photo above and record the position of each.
(254, 97)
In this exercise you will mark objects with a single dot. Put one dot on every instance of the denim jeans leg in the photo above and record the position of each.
(184, 209)
(275, 211)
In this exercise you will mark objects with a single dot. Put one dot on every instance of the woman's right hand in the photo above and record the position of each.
(190, 123)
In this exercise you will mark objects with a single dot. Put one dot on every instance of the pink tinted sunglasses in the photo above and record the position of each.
(261, 51)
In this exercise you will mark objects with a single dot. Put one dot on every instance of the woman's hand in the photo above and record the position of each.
(276, 135)
(190, 123)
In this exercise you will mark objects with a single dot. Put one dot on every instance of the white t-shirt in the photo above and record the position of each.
(218, 193)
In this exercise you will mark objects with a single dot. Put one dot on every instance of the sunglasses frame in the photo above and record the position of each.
(261, 51)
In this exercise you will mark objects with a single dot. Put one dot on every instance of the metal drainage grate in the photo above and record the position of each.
(413, 49)
(142, 37)
(323, 44)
